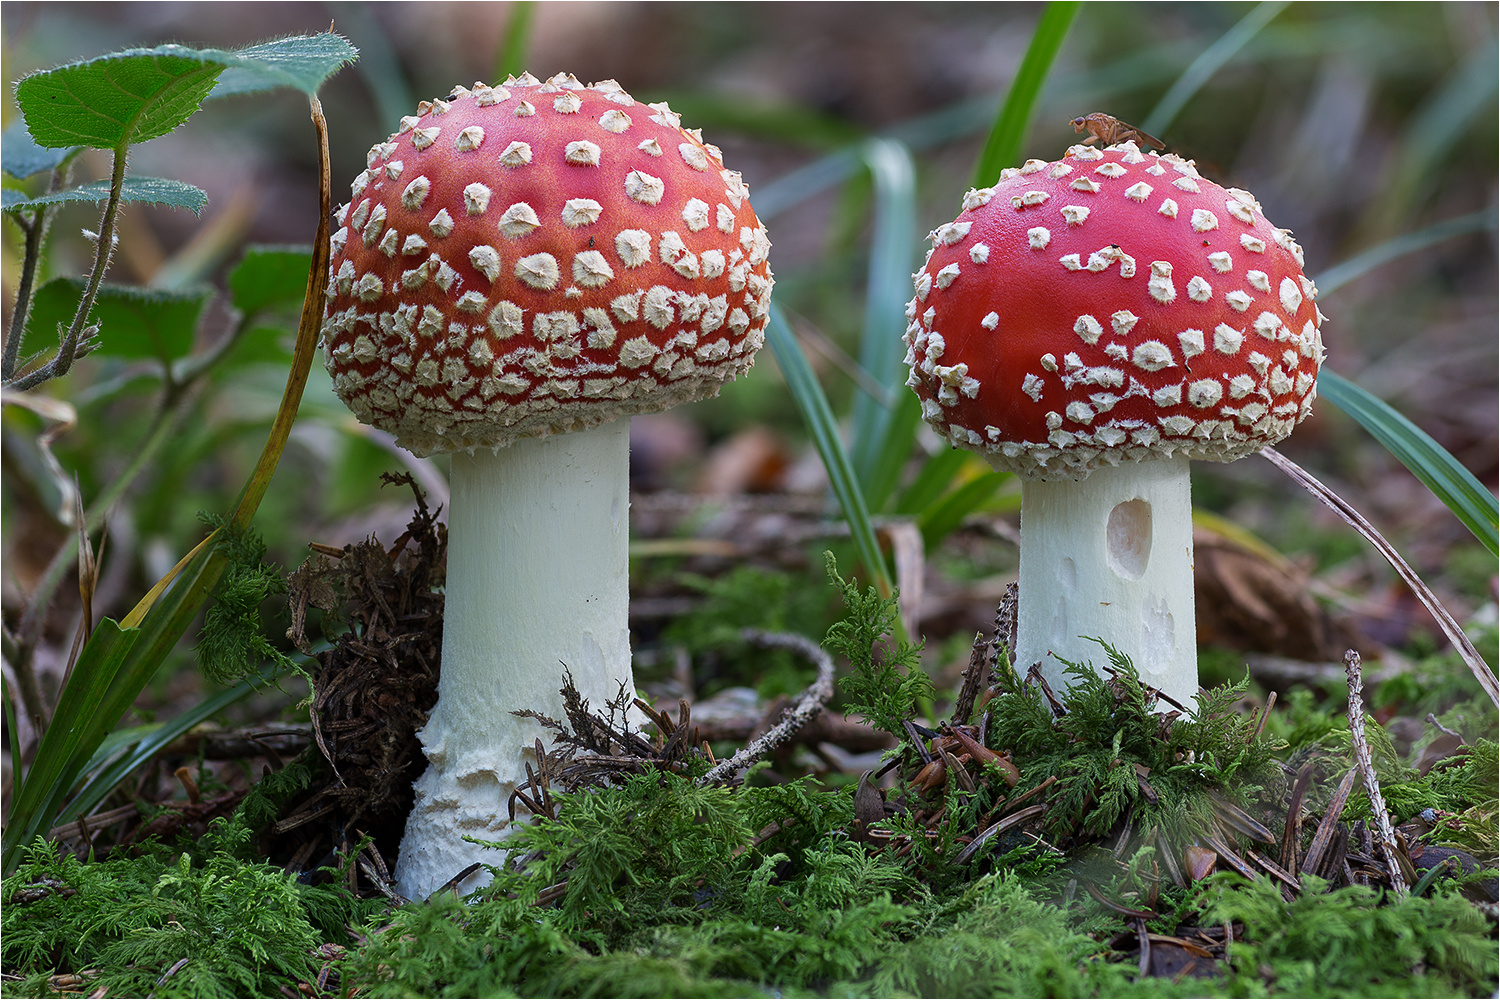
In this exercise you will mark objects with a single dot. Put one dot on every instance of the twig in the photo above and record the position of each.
(1429, 600)
(808, 705)
(1367, 771)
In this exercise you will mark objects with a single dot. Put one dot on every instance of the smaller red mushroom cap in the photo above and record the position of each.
(1112, 306)
(535, 258)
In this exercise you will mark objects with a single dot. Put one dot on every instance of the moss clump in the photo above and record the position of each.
(195, 923)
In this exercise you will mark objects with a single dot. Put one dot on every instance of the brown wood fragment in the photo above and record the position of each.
(1326, 828)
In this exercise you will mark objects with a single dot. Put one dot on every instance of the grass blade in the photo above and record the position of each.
(1429, 461)
(148, 742)
(1003, 146)
(1424, 594)
(1209, 62)
(1383, 253)
(876, 433)
(940, 521)
(813, 404)
(517, 41)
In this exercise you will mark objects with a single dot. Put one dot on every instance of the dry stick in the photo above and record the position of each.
(808, 705)
(1429, 600)
(1367, 771)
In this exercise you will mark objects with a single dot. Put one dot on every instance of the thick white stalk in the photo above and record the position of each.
(538, 579)
(1110, 557)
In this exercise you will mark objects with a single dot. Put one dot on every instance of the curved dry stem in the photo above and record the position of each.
(1429, 600)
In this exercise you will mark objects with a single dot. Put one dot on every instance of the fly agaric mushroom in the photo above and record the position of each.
(522, 265)
(1092, 324)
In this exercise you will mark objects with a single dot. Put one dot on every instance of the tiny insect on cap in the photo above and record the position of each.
(1112, 306)
(535, 258)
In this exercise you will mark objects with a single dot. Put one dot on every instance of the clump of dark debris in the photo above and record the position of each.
(372, 690)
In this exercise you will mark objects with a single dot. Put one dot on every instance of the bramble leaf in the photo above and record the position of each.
(138, 94)
(136, 322)
(270, 276)
(156, 190)
(301, 62)
(118, 99)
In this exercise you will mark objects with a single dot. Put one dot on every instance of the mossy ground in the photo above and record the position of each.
(646, 882)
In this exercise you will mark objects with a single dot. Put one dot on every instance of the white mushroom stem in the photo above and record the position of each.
(538, 579)
(1110, 557)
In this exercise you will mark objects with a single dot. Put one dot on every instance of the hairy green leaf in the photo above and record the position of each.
(131, 96)
(118, 99)
(269, 276)
(154, 190)
(302, 62)
(135, 322)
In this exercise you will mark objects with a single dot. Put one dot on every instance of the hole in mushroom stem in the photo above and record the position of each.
(1128, 538)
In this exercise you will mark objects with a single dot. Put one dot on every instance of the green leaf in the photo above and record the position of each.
(118, 99)
(156, 190)
(1429, 461)
(511, 59)
(77, 729)
(302, 62)
(270, 276)
(21, 157)
(134, 322)
(932, 481)
(808, 394)
(1003, 147)
(1399, 246)
(127, 97)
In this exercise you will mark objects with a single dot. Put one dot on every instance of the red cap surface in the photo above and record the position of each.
(1112, 306)
(536, 258)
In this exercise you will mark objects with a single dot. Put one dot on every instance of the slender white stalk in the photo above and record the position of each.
(1110, 557)
(538, 579)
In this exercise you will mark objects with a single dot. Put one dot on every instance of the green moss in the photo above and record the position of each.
(218, 925)
(1349, 942)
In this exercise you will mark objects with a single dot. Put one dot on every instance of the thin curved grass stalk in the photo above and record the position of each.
(118, 661)
(808, 394)
(1429, 600)
(1396, 247)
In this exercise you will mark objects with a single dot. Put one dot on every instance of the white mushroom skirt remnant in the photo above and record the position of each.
(1110, 557)
(537, 580)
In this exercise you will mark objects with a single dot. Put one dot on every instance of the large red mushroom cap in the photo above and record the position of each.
(535, 258)
(1112, 306)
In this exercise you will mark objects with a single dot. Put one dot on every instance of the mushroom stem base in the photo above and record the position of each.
(1110, 557)
(537, 582)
